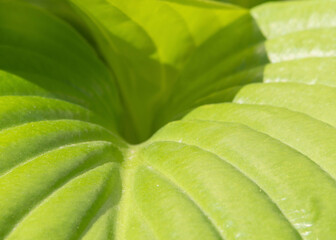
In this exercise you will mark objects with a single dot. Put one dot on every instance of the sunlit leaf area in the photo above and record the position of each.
(167, 120)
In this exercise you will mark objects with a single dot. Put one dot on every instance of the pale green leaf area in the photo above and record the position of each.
(167, 120)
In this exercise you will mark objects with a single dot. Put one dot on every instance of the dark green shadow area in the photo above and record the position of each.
(128, 96)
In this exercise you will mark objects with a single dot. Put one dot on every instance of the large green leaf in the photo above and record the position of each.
(259, 164)
(181, 67)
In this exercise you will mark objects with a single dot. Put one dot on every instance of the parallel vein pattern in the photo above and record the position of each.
(59, 160)
(260, 167)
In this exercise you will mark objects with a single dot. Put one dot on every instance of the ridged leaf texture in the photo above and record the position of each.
(167, 120)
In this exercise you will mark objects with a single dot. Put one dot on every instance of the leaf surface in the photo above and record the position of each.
(256, 163)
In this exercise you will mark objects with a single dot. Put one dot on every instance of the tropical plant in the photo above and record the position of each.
(167, 119)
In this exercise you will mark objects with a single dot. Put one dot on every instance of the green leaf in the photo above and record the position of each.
(247, 3)
(188, 55)
(48, 54)
(81, 80)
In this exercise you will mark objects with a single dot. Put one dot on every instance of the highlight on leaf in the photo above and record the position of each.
(166, 119)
